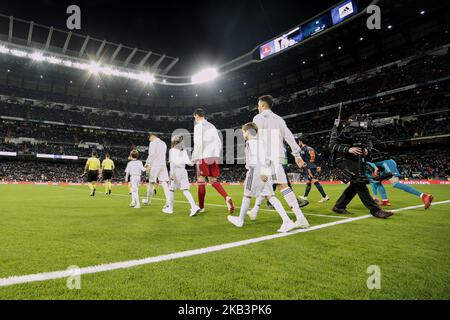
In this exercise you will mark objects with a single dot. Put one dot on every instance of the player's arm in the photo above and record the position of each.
(171, 164)
(374, 168)
(151, 155)
(186, 159)
(86, 167)
(295, 148)
(127, 172)
(198, 144)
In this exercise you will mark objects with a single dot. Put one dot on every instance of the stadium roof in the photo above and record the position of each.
(200, 32)
(282, 71)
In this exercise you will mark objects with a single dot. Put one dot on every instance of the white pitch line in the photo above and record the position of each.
(14, 280)
(214, 205)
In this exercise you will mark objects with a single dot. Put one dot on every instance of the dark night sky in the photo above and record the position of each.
(200, 32)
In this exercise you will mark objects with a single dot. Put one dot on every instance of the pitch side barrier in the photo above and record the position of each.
(411, 182)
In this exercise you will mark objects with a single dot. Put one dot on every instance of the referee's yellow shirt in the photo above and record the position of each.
(108, 164)
(93, 164)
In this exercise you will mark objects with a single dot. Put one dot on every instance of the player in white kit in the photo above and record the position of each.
(258, 181)
(156, 168)
(178, 159)
(133, 172)
(274, 132)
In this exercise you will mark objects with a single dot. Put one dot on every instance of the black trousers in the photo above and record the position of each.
(360, 189)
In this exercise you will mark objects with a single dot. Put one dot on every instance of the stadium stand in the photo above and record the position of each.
(408, 85)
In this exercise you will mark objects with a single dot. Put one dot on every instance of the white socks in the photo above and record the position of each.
(189, 198)
(244, 207)
(150, 190)
(259, 200)
(135, 198)
(280, 209)
(291, 200)
(165, 187)
(171, 200)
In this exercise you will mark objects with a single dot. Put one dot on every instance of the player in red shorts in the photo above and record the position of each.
(206, 155)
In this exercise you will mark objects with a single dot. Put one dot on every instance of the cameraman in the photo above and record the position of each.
(348, 156)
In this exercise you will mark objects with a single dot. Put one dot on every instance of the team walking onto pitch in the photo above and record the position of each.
(267, 139)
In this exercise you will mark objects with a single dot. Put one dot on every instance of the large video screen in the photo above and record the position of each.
(285, 41)
(317, 25)
(343, 11)
(333, 17)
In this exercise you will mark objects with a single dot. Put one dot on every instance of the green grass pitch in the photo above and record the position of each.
(49, 228)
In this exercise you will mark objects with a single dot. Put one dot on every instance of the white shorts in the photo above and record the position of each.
(278, 173)
(254, 186)
(159, 173)
(180, 180)
(134, 181)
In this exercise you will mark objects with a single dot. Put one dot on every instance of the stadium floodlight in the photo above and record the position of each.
(4, 49)
(37, 56)
(205, 75)
(67, 63)
(78, 65)
(18, 53)
(147, 77)
(94, 67)
(54, 60)
(107, 71)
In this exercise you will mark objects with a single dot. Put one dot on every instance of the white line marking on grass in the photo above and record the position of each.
(177, 255)
(211, 204)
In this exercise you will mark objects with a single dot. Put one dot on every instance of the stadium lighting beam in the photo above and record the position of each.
(94, 67)
(147, 77)
(37, 56)
(205, 75)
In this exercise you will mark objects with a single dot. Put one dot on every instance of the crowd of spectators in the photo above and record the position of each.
(361, 85)
(431, 164)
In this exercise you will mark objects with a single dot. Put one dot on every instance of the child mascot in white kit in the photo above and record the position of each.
(133, 172)
(178, 159)
(258, 181)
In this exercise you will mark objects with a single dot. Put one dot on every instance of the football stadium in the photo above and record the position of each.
(225, 150)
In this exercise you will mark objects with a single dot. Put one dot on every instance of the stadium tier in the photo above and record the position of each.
(258, 113)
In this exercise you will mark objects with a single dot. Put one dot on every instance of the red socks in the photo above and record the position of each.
(201, 194)
(216, 185)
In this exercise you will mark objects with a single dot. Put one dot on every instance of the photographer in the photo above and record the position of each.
(349, 147)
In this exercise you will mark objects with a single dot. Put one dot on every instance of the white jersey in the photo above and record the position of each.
(272, 130)
(255, 162)
(157, 150)
(207, 143)
(134, 168)
(255, 156)
(178, 159)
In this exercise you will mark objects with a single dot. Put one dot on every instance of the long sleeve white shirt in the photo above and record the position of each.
(178, 159)
(207, 143)
(134, 168)
(255, 156)
(272, 130)
(157, 150)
